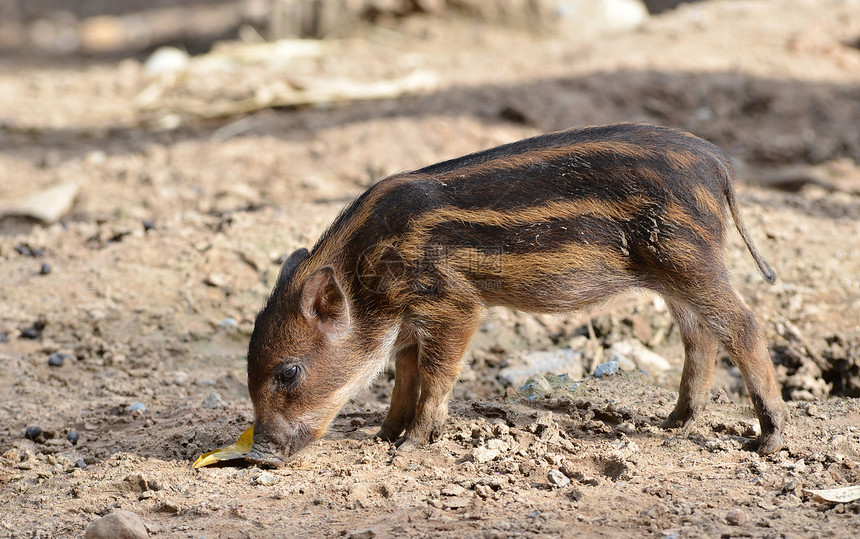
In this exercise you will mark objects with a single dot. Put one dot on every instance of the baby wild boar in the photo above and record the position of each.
(553, 223)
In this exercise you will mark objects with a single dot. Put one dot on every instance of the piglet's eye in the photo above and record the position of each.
(289, 375)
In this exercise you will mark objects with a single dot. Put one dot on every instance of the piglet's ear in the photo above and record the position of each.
(324, 304)
(289, 267)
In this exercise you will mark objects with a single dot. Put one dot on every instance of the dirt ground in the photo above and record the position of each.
(146, 291)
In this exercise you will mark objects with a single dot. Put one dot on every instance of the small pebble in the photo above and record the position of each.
(606, 369)
(736, 517)
(179, 378)
(4, 337)
(35, 330)
(72, 436)
(483, 454)
(45, 269)
(558, 479)
(228, 322)
(148, 225)
(30, 333)
(213, 401)
(33, 432)
(25, 249)
(81, 464)
(123, 524)
(453, 490)
(137, 407)
(456, 502)
(266, 479)
(56, 359)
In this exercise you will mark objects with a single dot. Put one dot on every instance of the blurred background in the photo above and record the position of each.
(135, 27)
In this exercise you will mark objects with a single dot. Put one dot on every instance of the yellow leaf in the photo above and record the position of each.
(234, 451)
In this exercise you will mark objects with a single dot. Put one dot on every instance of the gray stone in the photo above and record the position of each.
(137, 406)
(266, 479)
(606, 369)
(228, 322)
(178, 378)
(117, 525)
(213, 401)
(632, 353)
(565, 360)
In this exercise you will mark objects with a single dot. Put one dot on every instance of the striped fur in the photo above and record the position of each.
(551, 223)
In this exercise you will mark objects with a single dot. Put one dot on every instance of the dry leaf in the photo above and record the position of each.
(231, 452)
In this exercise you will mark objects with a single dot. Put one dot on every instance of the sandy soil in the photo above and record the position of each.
(154, 278)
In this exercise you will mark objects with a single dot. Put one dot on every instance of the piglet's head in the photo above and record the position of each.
(296, 373)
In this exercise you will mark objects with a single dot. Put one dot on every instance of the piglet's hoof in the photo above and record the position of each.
(386, 435)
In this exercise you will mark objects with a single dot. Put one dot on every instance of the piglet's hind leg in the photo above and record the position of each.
(700, 354)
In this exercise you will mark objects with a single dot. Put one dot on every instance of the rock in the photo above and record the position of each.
(213, 401)
(266, 479)
(565, 360)
(484, 491)
(228, 322)
(137, 407)
(35, 330)
(453, 490)
(482, 454)
(456, 502)
(363, 534)
(33, 432)
(542, 385)
(178, 378)
(217, 280)
(81, 464)
(557, 479)
(166, 60)
(72, 437)
(641, 357)
(57, 359)
(168, 506)
(736, 517)
(606, 369)
(47, 206)
(117, 525)
(25, 249)
(44, 269)
(537, 385)
(141, 482)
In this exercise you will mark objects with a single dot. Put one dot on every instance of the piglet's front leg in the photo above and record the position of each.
(404, 398)
(439, 359)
